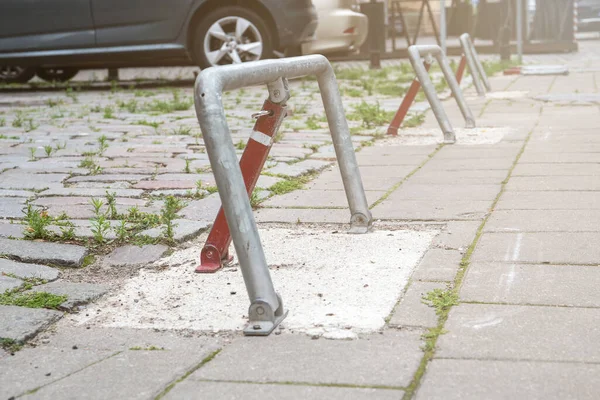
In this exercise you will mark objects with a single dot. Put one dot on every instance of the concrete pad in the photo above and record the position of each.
(32, 368)
(530, 183)
(229, 391)
(539, 247)
(21, 323)
(438, 265)
(317, 198)
(485, 331)
(559, 285)
(549, 200)
(129, 375)
(333, 287)
(495, 379)
(373, 178)
(292, 358)
(412, 311)
(427, 210)
(559, 158)
(469, 163)
(544, 221)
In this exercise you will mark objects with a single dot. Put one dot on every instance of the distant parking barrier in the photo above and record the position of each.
(471, 59)
(266, 309)
(428, 52)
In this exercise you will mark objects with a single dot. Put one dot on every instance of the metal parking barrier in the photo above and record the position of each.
(471, 59)
(407, 101)
(266, 309)
(428, 52)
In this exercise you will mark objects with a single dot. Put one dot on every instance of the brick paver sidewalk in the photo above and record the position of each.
(510, 279)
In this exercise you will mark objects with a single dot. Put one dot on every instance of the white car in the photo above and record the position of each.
(340, 30)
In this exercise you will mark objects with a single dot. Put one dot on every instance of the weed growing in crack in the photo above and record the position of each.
(187, 169)
(312, 123)
(89, 163)
(37, 223)
(168, 214)
(111, 203)
(441, 300)
(414, 121)
(108, 112)
(371, 115)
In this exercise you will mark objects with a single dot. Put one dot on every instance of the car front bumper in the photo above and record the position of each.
(339, 30)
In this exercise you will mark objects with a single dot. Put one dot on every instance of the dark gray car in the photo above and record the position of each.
(56, 38)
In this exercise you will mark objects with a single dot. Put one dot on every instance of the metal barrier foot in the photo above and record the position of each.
(263, 320)
(360, 223)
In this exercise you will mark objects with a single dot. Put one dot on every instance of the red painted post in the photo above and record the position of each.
(216, 249)
(461, 68)
(406, 103)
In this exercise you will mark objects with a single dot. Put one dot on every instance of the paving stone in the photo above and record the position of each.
(164, 184)
(89, 192)
(512, 283)
(539, 247)
(358, 362)
(427, 210)
(469, 163)
(558, 158)
(109, 178)
(495, 379)
(31, 368)
(528, 183)
(412, 191)
(230, 390)
(438, 265)
(317, 198)
(265, 181)
(16, 179)
(549, 200)
(204, 210)
(66, 255)
(412, 311)
(482, 151)
(21, 323)
(299, 168)
(12, 207)
(8, 283)
(184, 230)
(8, 230)
(127, 375)
(90, 337)
(462, 177)
(484, 331)
(373, 178)
(556, 170)
(16, 193)
(135, 255)
(304, 215)
(544, 221)
(77, 293)
(457, 235)
(24, 271)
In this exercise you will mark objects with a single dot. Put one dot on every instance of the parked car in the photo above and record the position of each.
(588, 15)
(340, 30)
(56, 38)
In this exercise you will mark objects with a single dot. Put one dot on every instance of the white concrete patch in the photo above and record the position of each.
(333, 284)
(428, 136)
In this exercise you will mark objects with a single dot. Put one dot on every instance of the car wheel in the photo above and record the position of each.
(12, 74)
(56, 74)
(231, 35)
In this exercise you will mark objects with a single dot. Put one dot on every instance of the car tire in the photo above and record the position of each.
(13, 74)
(56, 74)
(215, 41)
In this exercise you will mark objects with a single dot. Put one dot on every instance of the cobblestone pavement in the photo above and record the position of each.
(510, 309)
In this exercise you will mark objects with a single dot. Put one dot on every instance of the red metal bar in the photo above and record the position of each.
(216, 249)
(461, 68)
(406, 103)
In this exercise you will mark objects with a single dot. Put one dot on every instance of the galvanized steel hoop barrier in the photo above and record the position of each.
(266, 308)
(415, 54)
(470, 58)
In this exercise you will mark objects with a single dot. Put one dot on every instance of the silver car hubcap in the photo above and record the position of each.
(232, 40)
(8, 72)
